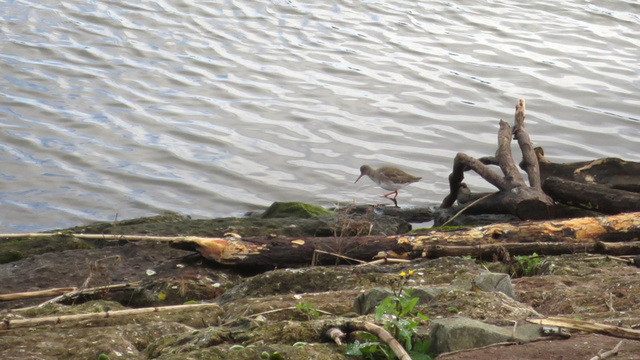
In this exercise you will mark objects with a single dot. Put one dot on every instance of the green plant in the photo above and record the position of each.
(271, 356)
(307, 308)
(401, 322)
(369, 349)
(527, 264)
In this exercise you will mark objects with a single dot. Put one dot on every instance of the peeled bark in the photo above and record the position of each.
(542, 237)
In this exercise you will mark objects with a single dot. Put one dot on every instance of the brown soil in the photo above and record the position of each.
(577, 347)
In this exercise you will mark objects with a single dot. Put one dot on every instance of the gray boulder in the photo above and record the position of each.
(495, 282)
(452, 334)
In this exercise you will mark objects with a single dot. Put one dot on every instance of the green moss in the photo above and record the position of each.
(10, 255)
(294, 209)
(19, 248)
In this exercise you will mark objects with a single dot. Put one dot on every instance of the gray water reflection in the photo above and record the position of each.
(215, 108)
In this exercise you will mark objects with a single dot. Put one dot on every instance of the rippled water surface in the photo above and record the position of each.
(212, 108)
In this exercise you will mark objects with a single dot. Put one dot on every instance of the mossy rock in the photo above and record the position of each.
(294, 209)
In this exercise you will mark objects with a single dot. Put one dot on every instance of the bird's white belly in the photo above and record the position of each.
(391, 186)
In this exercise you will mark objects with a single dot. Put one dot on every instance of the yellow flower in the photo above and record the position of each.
(403, 274)
(410, 272)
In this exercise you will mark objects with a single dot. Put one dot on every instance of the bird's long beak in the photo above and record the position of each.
(358, 178)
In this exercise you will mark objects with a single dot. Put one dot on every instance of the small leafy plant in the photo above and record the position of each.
(271, 356)
(401, 322)
(527, 265)
(307, 308)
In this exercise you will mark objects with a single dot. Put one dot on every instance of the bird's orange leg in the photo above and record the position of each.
(394, 198)
(393, 192)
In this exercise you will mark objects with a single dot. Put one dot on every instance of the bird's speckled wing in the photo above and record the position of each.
(397, 176)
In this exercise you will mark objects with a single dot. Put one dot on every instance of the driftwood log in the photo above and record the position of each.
(596, 197)
(613, 173)
(526, 202)
(611, 235)
(616, 234)
(608, 185)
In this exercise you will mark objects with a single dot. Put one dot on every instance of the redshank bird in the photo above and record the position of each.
(388, 178)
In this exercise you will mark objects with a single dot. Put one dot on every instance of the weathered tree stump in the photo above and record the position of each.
(526, 202)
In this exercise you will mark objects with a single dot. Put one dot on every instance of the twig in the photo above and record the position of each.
(287, 308)
(628, 261)
(35, 294)
(6, 324)
(609, 302)
(94, 267)
(88, 291)
(277, 310)
(605, 354)
(100, 236)
(465, 208)
(384, 261)
(588, 326)
(384, 335)
(339, 256)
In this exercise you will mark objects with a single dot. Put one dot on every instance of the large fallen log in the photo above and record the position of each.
(612, 235)
(542, 237)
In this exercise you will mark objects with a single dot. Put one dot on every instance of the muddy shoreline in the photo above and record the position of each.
(259, 312)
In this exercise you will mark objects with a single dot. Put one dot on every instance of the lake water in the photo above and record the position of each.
(120, 109)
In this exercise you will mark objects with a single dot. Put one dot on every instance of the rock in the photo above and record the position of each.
(428, 293)
(452, 334)
(495, 282)
(293, 209)
(366, 302)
